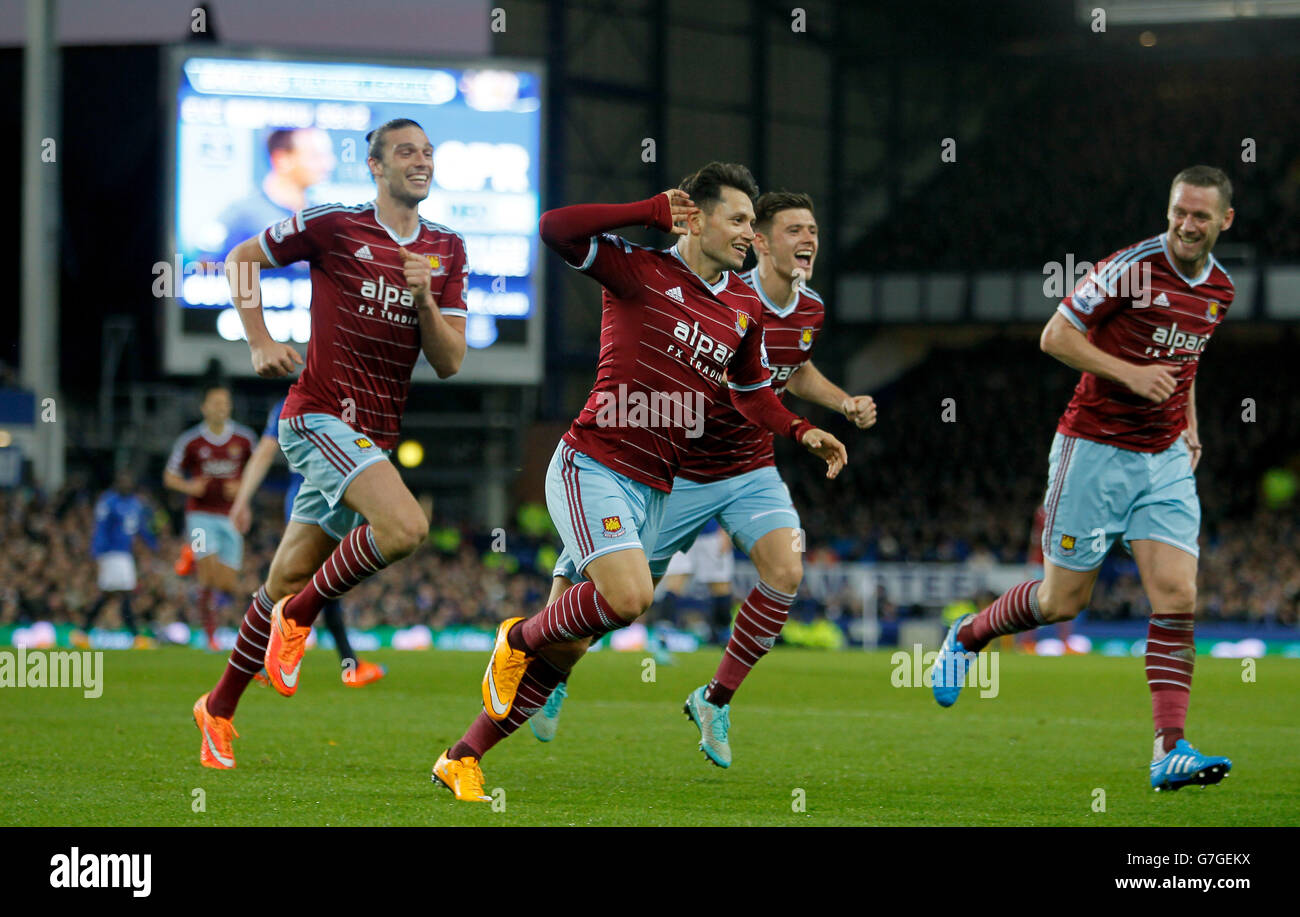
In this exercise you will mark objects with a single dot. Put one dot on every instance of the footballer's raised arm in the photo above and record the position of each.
(575, 233)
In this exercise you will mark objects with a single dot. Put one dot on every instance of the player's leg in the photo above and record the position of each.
(207, 568)
(356, 495)
(394, 527)
(1162, 536)
(1169, 578)
(301, 551)
(777, 557)
(541, 691)
(1087, 504)
(582, 496)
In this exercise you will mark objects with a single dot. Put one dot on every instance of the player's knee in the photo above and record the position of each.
(786, 575)
(1174, 598)
(1060, 606)
(401, 535)
(630, 601)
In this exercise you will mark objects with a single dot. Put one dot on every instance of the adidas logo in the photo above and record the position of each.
(363, 253)
(675, 293)
(1161, 300)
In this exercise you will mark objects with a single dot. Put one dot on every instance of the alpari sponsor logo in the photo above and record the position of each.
(387, 294)
(1170, 340)
(696, 345)
(221, 468)
(781, 375)
(626, 409)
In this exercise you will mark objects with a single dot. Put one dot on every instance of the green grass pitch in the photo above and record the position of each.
(825, 729)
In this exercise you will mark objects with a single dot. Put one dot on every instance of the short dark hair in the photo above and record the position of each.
(770, 203)
(210, 387)
(1205, 177)
(376, 137)
(280, 139)
(705, 186)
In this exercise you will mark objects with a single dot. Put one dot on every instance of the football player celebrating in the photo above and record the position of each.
(1122, 462)
(386, 286)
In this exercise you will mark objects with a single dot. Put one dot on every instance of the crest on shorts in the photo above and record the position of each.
(363, 443)
(613, 526)
(742, 322)
(805, 338)
(1067, 544)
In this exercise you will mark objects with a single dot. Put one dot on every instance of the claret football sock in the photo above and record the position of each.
(1170, 658)
(540, 679)
(579, 612)
(1014, 611)
(757, 626)
(355, 560)
(246, 658)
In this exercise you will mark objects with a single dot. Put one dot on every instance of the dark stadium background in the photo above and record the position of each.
(1066, 141)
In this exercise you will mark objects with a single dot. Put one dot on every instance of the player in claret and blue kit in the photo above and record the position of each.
(677, 326)
(386, 285)
(1122, 463)
(730, 472)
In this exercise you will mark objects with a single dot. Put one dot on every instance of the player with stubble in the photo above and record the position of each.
(1123, 459)
(387, 286)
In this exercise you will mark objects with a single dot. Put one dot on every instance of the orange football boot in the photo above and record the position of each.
(363, 674)
(215, 750)
(504, 672)
(185, 563)
(284, 650)
(464, 778)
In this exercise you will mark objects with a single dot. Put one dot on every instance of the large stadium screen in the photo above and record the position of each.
(258, 137)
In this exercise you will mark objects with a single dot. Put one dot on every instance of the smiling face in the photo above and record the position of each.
(1196, 217)
(406, 169)
(790, 243)
(727, 230)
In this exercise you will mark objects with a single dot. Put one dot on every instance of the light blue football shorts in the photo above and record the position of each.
(597, 510)
(1097, 493)
(328, 454)
(210, 533)
(747, 506)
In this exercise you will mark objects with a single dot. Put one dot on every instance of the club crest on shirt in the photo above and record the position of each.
(1212, 312)
(1067, 544)
(435, 264)
(742, 322)
(805, 338)
(363, 443)
(613, 526)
